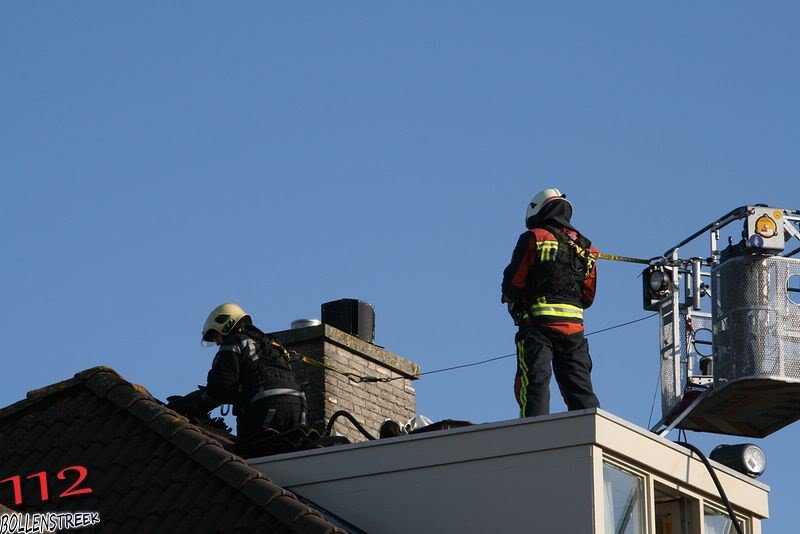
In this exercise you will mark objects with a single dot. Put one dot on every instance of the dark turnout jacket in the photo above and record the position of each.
(548, 280)
(252, 375)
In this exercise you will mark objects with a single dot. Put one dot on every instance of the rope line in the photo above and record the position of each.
(371, 379)
(621, 325)
(488, 360)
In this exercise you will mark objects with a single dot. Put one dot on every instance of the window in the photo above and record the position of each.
(675, 512)
(718, 522)
(623, 493)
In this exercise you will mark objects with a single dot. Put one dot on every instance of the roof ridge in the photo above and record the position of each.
(37, 394)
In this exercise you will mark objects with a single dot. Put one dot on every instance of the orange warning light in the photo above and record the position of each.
(766, 227)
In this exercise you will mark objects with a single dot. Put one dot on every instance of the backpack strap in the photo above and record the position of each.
(582, 248)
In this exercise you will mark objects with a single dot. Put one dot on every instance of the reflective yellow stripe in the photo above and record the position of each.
(544, 304)
(557, 310)
(571, 315)
(547, 250)
(523, 382)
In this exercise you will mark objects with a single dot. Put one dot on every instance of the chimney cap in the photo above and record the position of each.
(351, 316)
(304, 323)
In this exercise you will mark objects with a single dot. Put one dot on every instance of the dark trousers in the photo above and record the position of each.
(280, 412)
(540, 347)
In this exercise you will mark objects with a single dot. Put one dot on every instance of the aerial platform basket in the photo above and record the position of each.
(751, 407)
(735, 370)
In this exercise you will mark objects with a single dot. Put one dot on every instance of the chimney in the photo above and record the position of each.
(351, 316)
(328, 391)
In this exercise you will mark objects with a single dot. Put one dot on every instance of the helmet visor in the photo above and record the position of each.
(209, 338)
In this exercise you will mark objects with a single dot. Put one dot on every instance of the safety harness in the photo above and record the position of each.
(555, 285)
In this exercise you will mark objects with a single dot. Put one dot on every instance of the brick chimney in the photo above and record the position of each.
(327, 392)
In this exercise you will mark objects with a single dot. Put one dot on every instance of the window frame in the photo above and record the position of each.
(697, 502)
(648, 519)
(719, 509)
(693, 507)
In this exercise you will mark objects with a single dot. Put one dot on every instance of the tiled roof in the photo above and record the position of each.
(149, 469)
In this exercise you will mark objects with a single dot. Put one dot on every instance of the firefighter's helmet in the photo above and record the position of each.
(222, 320)
(540, 199)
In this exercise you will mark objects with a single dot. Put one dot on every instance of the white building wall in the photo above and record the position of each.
(538, 475)
(494, 495)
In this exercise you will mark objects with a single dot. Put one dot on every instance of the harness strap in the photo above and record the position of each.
(289, 354)
(276, 391)
(583, 253)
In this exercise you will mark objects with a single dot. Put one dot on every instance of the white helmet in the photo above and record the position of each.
(540, 199)
(221, 320)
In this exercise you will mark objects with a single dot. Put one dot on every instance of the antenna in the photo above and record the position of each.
(729, 328)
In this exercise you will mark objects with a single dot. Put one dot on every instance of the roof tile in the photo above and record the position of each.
(286, 508)
(167, 424)
(212, 456)
(175, 522)
(153, 523)
(87, 374)
(123, 395)
(132, 526)
(260, 490)
(145, 409)
(236, 473)
(131, 498)
(204, 491)
(314, 523)
(101, 382)
(152, 470)
(189, 439)
(231, 514)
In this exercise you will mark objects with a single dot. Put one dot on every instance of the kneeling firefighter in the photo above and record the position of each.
(550, 281)
(251, 371)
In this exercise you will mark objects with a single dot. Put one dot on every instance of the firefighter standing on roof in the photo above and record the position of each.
(550, 281)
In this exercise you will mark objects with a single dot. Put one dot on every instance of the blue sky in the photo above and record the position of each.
(158, 160)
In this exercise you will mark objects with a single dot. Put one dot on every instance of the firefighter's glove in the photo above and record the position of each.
(190, 405)
(180, 404)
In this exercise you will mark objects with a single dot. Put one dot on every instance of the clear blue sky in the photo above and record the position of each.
(158, 160)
